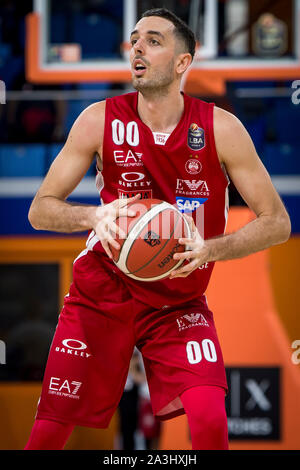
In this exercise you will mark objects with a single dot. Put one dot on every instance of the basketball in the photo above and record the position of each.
(146, 253)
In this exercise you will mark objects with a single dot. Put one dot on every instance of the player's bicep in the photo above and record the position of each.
(247, 172)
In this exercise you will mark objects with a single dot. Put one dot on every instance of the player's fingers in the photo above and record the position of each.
(126, 212)
(114, 230)
(189, 242)
(105, 236)
(106, 248)
(123, 202)
(185, 255)
(111, 241)
(184, 271)
(191, 222)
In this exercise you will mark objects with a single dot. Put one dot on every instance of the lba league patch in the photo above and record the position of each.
(196, 137)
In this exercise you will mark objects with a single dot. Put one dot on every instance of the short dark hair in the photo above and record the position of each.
(182, 31)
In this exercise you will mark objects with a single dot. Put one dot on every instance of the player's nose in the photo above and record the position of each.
(139, 46)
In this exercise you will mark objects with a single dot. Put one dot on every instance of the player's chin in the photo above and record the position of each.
(138, 82)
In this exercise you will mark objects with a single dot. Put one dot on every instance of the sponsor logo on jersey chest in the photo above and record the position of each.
(134, 180)
(187, 204)
(192, 187)
(128, 158)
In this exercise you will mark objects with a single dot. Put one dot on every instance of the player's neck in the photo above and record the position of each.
(161, 113)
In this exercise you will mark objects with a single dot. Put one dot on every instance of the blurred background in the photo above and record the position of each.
(56, 58)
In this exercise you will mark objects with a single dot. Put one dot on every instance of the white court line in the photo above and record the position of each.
(27, 187)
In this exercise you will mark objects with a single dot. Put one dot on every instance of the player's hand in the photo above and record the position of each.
(196, 255)
(105, 225)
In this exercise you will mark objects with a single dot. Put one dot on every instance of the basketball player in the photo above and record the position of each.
(171, 146)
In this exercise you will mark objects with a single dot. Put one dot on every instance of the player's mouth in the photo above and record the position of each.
(139, 68)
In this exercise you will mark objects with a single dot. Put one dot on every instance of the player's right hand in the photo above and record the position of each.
(105, 225)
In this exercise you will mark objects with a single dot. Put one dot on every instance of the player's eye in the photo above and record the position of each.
(153, 41)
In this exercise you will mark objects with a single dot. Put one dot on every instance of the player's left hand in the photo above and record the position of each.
(196, 255)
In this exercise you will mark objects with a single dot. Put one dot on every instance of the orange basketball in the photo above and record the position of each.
(146, 253)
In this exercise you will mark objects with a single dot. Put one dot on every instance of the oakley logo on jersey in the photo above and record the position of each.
(134, 180)
(187, 205)
(196, 138)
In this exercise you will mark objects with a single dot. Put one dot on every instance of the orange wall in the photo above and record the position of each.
(284, 270)
(17, 410)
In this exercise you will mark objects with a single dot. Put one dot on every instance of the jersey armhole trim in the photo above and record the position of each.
(219, 165)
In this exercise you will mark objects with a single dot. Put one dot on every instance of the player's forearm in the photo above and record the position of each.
(51, 213)
(257, 235)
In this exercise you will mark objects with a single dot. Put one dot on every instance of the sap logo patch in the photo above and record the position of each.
(186, 204)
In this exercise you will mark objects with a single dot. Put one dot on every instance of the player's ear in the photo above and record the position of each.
(184, 60)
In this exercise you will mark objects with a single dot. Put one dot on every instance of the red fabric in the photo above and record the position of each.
(133, 163)
(205, 409)
(97, 330)
(48, 435)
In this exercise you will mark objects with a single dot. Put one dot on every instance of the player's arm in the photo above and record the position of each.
(272, 223)
(50, 210)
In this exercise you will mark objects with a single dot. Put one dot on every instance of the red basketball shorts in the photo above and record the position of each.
(99, 325)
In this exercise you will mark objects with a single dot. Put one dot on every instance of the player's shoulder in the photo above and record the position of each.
(227, 127)
(88, 128)
(225, 121)
(91, 118)
(94, 111)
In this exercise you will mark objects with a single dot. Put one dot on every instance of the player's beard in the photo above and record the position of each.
(158, 84)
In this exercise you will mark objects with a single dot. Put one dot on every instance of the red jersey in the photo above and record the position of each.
(181, 168)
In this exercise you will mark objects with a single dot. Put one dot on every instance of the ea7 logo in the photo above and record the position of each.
(64, 388)
(128, 159)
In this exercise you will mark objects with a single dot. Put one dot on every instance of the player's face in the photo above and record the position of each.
(152, 54)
